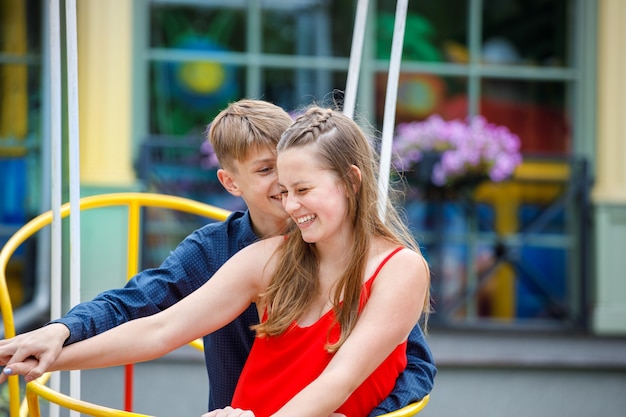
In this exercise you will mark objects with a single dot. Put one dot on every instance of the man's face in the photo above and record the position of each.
(256, 180)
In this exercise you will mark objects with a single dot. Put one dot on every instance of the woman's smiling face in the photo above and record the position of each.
(312, 195)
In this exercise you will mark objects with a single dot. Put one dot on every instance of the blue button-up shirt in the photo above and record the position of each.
(188, 267)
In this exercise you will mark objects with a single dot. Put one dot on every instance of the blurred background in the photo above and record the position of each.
(528, 273)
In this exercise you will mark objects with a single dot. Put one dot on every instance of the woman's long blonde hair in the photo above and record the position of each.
(340, 144)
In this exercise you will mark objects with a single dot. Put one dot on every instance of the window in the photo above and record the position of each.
(20, 116)
(519, 63)
(509, 61)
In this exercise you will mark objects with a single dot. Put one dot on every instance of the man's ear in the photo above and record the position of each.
(228, 182)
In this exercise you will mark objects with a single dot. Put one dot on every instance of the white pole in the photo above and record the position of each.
(74, 169)
(389, 118)
(356, 52)
(55, 176)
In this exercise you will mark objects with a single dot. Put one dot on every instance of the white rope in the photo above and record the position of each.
(390, 104)
(55, 176)
(74, 169)
(356, 53)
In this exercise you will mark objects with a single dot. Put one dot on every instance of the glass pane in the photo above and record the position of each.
(308, 28)
(11, 22)
(20, 127)
(292, 89)
(185, 96)
(198, 28)
(280, 32)
(526, 32)
(20, 79)
(534, 110)
(420, 95)
(20, 27)
(436, 31)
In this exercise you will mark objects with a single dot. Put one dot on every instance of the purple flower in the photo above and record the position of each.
(208, 160)
(470, 147)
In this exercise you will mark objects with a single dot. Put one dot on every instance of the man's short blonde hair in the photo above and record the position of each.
(246, 125)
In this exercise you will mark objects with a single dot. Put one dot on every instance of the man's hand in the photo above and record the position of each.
(31, 354)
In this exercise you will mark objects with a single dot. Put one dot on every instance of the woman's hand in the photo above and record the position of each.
(32, 353)
(237, 412)
(229, 412)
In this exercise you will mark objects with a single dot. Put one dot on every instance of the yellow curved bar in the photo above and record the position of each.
(35, 389)
(134, 201)
(409, 410)
(24, 406)
(198, 344)
(107, 200)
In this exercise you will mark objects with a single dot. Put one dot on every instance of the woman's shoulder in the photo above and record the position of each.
(268, 243)
(384, 247)
(399, 258)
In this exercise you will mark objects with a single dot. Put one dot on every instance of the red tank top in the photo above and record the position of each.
(281, 366)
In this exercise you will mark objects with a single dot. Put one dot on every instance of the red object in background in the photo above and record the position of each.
(542, 130)
(419, 96)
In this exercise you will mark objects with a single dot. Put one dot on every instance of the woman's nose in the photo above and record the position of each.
(290, 203)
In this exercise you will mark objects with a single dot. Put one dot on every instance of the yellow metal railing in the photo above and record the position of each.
(134, 202)
(410, 410)
(36, 390)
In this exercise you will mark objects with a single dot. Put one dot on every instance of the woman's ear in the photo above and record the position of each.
(355, 178)
(228, 182)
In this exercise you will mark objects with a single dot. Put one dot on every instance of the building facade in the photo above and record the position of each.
(542, 249)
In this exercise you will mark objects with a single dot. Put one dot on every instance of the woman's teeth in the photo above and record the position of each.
(305, 219)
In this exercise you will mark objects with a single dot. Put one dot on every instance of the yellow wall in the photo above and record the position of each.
(610, 183)
(609, 194)
(105, 36)
(104, 70)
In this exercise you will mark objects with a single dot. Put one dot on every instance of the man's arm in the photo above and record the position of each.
(149, 292)
(417, 379)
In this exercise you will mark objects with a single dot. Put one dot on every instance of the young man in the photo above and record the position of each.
(244, 138)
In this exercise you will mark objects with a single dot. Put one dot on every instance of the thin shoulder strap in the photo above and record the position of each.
(384, 261)
(367, 286)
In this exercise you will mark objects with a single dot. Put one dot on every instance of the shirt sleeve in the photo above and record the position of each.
(150, 291)
(417, 379)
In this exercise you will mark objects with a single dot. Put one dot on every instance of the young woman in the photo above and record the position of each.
(337, 296)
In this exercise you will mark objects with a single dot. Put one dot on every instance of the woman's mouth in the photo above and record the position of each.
(306, 219)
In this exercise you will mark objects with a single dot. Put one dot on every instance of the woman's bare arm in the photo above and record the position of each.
(226, 295)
